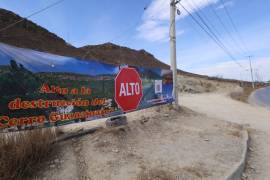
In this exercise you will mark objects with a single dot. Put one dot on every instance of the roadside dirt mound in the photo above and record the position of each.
(161, 144)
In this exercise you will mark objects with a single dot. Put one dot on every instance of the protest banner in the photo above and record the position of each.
(42, 90)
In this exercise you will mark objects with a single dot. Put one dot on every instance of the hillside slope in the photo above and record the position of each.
(115, 54)
(27, 34)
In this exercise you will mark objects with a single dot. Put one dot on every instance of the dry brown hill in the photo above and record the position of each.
(27, 34)
(115, 54)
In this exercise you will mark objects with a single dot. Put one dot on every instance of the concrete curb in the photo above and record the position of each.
(237, 170)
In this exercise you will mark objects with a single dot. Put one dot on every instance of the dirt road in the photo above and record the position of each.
(221, 106)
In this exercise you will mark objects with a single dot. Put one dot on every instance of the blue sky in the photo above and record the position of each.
(127, 23)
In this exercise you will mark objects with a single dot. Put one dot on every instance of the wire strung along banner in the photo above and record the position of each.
(42, 90)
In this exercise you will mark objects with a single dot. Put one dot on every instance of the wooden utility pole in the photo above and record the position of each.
(251, 72)
(173, 50)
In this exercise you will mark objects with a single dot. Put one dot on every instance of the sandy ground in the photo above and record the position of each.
(221, 106)
(158, 143)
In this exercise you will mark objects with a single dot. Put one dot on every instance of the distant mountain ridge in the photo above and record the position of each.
(27, 34)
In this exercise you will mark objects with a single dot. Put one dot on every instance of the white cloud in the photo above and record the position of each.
(226, 4)
(152, 31)
(231, 70)
(155, 25)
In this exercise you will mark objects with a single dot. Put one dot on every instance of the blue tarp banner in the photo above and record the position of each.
(42, 90)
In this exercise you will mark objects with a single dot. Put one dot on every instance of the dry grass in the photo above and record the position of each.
(157, 174)
(21, 152)
(243, 96)
(185, 173)
(234, 133)
(200, 172)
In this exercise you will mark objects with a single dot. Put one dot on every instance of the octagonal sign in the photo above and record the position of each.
(128, 89)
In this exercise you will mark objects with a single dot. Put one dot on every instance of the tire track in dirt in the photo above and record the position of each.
(82, 169)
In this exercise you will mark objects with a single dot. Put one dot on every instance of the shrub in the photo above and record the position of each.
(21, 152)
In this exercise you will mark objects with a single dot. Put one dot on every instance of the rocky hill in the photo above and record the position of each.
(115, 54)
(27, 34)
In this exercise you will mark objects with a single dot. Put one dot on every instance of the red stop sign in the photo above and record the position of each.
(128, 89)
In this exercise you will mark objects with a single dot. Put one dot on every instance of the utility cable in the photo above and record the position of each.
(211, 35)
(234, 26)
(121, 34)
(31, 15)
(235, 42)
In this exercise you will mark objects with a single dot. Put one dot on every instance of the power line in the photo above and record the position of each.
(117, 36)
(234, 26)
(33, 14)
(125, 31)
(210, 33)
(122, 33)
(131, 26)
(240, 39)
(235, 42)
(203, 15)
(206, 21)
